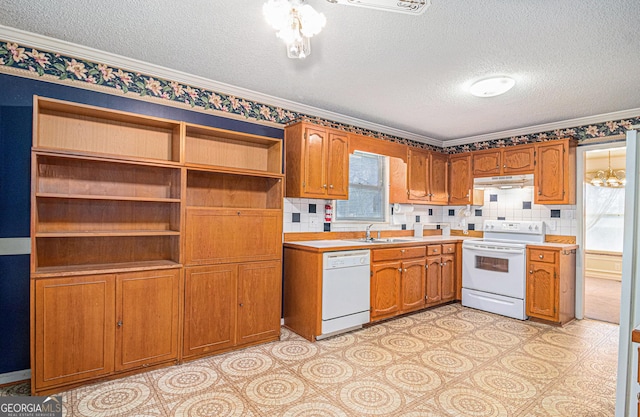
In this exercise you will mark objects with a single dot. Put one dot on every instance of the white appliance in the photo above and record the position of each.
(346, 298)
(494, 267)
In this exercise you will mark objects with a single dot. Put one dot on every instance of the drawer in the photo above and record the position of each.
(539, 255)
(434, 250)
(388, 254)
(449, 248)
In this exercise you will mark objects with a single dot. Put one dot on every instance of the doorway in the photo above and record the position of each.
(603, 190)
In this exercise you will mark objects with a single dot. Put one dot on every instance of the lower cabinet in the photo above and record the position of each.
(230, 305)
(397, 281)
(88, 327)
(550, 292)
(440, 277)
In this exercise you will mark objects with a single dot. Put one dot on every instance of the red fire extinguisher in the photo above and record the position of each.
(327, 212)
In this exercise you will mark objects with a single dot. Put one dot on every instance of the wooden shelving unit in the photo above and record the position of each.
(120, 202)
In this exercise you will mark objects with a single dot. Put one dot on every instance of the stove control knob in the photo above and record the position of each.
(530, 227)
(536, 227)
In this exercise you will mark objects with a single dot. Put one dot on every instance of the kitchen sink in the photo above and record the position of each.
(387, 240)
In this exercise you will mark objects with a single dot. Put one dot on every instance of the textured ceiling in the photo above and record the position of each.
(571, 59)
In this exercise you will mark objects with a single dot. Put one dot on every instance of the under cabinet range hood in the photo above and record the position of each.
(414, 7)
(503, 182)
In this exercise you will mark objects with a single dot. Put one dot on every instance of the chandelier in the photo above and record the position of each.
(608, 178)
(295, 23)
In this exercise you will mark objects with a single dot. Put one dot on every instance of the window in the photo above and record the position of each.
(367, 189)
(604, 209)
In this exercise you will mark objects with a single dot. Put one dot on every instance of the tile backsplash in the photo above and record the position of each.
(307, 215)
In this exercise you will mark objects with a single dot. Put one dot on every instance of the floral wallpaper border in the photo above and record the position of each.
(76, 70)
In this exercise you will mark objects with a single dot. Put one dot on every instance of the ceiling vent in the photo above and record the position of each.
(414, 7)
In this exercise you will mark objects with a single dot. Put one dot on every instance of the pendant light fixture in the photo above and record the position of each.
(295, 23)
(608, 178)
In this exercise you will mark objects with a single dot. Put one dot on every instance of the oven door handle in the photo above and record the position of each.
(476, 249)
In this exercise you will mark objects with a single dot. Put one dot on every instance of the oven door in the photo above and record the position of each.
(497, 271)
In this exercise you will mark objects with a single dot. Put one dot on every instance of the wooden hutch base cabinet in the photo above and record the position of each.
(153, 241)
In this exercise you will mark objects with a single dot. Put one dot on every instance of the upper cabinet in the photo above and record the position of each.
(425, 181)
(504, 161)
(518, 160)
(555, 176)
(317, 162)
(461, 181)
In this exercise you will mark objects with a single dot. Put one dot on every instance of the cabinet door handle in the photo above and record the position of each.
(324, 185)
(541, 256)
(241, 304)
(468, 193)
(399, 269)
(331, 186)
(401, 250)
(504, 166)
(531, 272)
(426, 267)
(119, 323)
(539, 192)
(405, 270)
(238, 213)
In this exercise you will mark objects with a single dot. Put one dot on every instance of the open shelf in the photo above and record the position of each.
(114, 233)
(216, 189)
(83, 251)
(60, 215)
(107, 197)
(57, 271)
(206, 146)
(62, 125)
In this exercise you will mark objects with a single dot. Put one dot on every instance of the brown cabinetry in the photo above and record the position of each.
(440, 274)
(317, 161)
(426, 180)
(230, 305)
(504, 161)
(93, 326)
(119, 202)
(397, 281)
(550, 284)
(555, 172)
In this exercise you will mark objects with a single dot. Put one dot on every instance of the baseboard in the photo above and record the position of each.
(15, 376)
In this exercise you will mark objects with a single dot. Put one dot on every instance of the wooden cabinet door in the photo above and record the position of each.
(518, 160)
(542, 291)
(460, 179)
(448, 277)
(315, 162)
(338, 166)
(551, 176)
(417, 181)
(216, 236)
(210, 308)
(486, 163)
(439, 179)
(412, 285)
(433, 285)
(259, 301)
(385, 289)
(74, 326)
(147, 318)
(398, 188)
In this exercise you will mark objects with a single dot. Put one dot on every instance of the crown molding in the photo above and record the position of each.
(47, 43)
(564, 124)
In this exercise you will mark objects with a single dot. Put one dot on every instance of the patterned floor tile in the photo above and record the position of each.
(448, 361)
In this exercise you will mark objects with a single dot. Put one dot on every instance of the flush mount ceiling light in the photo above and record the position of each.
(491, 87)
(295, 23)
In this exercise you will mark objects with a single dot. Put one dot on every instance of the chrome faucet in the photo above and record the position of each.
(368, 233)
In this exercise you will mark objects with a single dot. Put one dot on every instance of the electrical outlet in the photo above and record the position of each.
(551, 225)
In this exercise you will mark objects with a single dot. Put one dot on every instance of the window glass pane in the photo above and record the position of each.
(604, 208)
(367, 189)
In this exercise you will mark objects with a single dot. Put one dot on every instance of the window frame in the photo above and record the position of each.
(384, 187)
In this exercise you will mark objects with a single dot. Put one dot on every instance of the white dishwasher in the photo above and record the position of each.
(346, 298)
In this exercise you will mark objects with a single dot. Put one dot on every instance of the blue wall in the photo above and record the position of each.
(16, 108)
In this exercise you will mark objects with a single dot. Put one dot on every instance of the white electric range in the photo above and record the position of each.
(494, 267)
